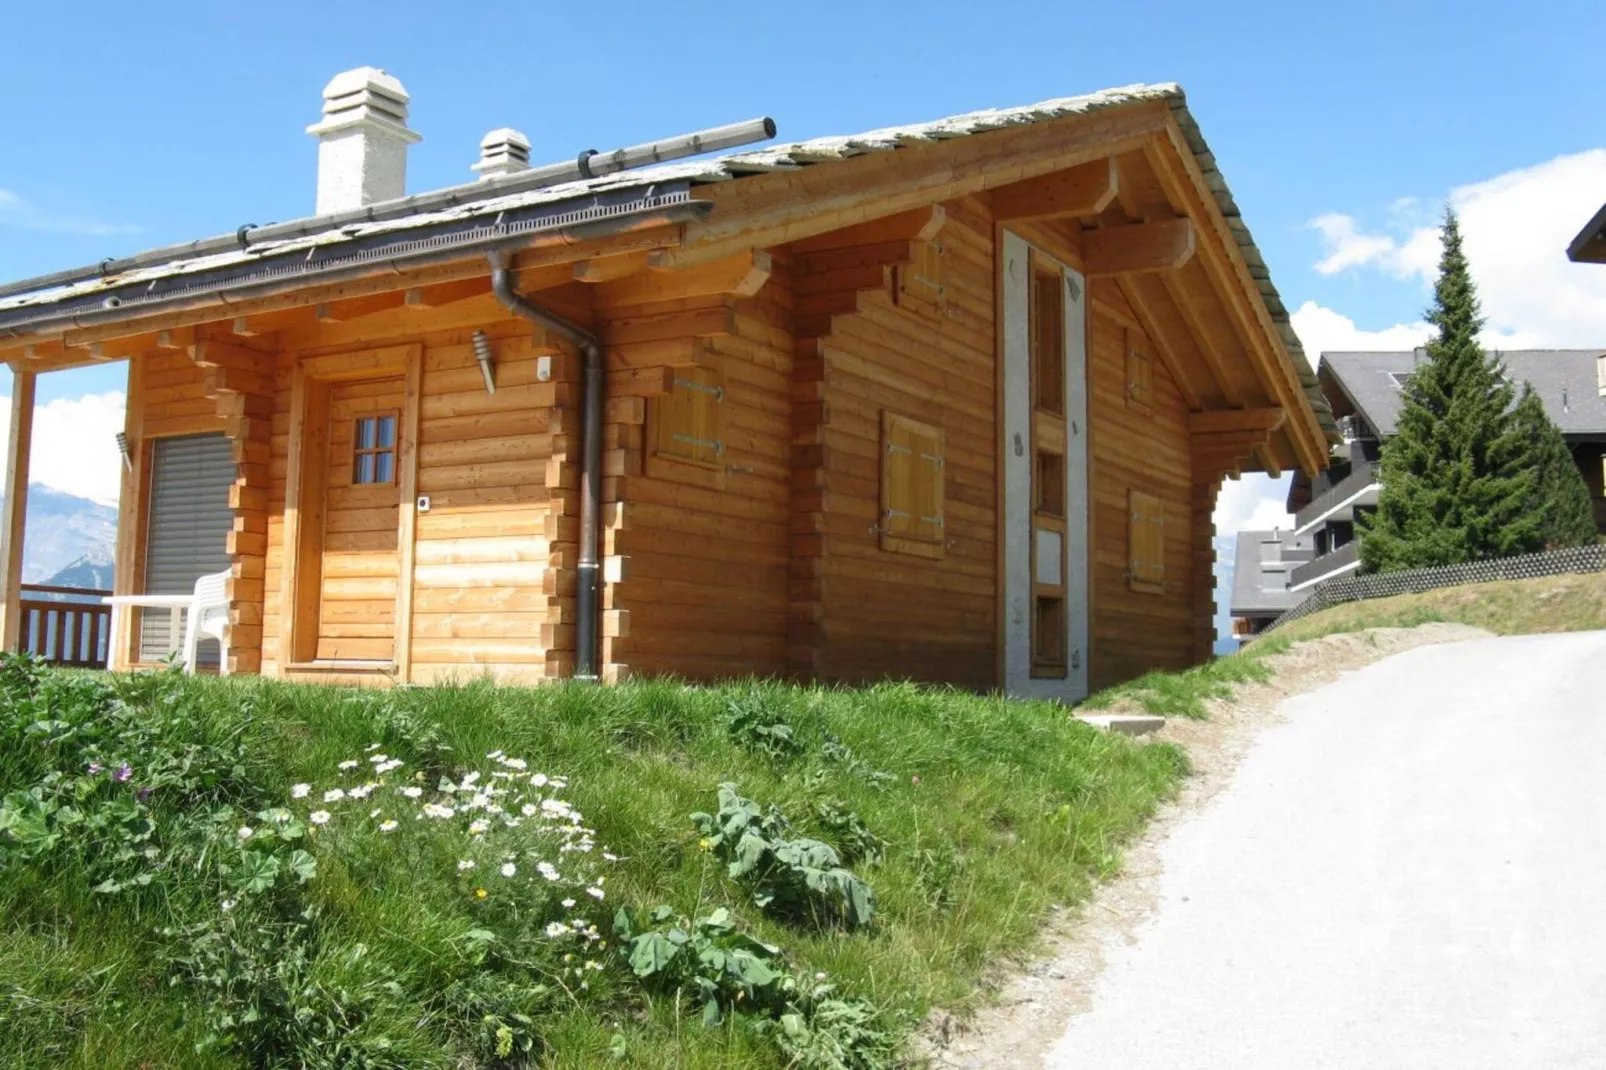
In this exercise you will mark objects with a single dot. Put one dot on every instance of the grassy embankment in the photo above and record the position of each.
(169, 897)
(1516, 607)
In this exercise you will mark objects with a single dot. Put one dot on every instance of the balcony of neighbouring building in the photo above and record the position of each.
(1345, 559)
(1357, 490)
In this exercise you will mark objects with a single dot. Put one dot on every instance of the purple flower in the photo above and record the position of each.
(95, 768)
(124, 771)
(143, 794)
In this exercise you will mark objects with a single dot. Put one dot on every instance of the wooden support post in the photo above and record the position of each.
(13, 523)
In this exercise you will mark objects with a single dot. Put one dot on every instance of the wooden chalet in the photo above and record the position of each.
(949, 401)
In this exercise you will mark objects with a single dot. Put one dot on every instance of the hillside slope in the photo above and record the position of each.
(1514, 607)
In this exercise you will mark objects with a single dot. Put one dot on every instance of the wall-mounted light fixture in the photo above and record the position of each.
(483, 354)
(122, 448)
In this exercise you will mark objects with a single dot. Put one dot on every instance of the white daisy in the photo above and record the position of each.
(246, 832)
(465, 864)
(333, 795)
(348, 764)
(508, 869)
(549, 871)
(412, 792)
(300, 791)
(557, 929)
(568, 904)
(595, 893)
(319, 817)
(387, 826)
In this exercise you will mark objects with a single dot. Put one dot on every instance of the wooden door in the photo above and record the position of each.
(361, 565)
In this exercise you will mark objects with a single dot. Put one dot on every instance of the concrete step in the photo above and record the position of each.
(1128, 724)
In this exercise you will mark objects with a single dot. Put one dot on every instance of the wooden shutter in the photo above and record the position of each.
(922, 278)
(912, 471)
(1139, 374)
(1145, 543)
(687, 424)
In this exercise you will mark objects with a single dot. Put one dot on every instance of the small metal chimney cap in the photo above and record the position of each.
(503, 151)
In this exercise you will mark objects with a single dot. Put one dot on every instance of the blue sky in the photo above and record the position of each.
(134, 126)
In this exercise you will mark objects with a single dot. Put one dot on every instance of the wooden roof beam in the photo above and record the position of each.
(608, 268)
(742, 275)
(1139, 247)
(1085, 190)
(916, 224)
(1224, 420)
(445, 293)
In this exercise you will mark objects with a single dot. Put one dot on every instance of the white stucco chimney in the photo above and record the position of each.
(502, 152)
(362, 140)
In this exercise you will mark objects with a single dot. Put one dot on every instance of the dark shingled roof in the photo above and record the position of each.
(1259, 586)
(1565, 379)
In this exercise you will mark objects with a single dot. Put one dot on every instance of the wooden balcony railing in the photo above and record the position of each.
(73, 630)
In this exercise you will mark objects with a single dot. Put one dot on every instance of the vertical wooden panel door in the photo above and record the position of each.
(1044, 445)
(361, 564)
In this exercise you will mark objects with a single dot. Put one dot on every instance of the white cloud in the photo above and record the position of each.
(1346, 246)
(21, 215)
(1252, 503)
(1321, 330)
(74, 444)
(1516, 228)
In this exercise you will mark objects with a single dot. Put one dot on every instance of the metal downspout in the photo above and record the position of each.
(590, 589)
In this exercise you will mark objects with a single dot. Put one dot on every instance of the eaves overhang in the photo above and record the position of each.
(355, 252)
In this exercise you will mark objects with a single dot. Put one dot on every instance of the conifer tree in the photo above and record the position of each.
(1455, 484)
(1560, 497)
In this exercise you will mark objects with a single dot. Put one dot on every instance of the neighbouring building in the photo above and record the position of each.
(948, 401)
(1262, 563)
(1364, 392)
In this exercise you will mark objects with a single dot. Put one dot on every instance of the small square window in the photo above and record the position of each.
(373, 442)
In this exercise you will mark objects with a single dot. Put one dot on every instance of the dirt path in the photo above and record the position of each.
(1032, 1007)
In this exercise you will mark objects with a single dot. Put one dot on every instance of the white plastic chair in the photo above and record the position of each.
(208, 617)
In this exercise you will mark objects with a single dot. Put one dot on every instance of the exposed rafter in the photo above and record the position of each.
(1164, 345)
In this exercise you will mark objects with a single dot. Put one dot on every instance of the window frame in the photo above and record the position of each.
(378, 449)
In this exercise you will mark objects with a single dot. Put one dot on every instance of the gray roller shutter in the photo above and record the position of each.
(189, 527)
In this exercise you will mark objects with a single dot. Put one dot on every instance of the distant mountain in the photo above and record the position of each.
(92, 572)
(62, 530)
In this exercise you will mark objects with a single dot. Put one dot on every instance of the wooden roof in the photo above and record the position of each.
(1214, 313)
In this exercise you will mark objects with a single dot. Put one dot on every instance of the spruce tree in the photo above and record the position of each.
(1455, 484)
(1560, 497)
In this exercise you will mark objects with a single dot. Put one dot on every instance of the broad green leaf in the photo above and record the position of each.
(651, 953)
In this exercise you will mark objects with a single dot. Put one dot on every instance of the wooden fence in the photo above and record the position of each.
(72, 630)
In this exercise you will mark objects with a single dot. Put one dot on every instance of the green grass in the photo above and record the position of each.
(993, 811)
(1184, 693)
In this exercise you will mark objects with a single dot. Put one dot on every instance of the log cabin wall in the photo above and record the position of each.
(695, 549)
(880, 333)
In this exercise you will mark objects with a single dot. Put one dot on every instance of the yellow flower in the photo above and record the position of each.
(480, 893)
(703, 844)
